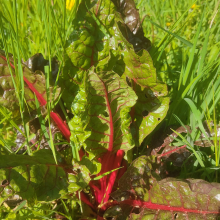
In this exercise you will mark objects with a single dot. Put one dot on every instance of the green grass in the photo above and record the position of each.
(185, 51)
(191, 71)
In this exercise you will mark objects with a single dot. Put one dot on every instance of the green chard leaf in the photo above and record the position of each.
(68, 83)
(101, 114)
(153, 103)
(89, 46)
(91, 38)
(93, 165)
(39, 178)
(138, 70)
(142, 195)
(93, 46)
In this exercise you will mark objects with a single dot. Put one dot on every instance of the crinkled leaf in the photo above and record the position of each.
(38, 177)
(166, 141)
(177, 155)
(170, 198)
(8, 97)
(101, 113)
(93, 46)
(89, 47)
(153, 103)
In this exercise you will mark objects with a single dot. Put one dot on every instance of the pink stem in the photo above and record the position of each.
(107, 162)
(97, 192)
(61, 125)
(81, 154)
(94, 187)
(116, 164)
(111, 136)
(171, 151)
(4, 58)
(122, 170)
(150, 205)
(39, 96)
(86, 200)
(33, 143)
(57, 119)
(155, 206)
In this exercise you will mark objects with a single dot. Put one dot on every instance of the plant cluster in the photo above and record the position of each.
(82, 131)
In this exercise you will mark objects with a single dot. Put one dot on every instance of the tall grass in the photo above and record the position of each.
(191, 71)
(30, 27)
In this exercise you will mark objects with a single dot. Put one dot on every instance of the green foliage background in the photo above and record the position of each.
(187, 60)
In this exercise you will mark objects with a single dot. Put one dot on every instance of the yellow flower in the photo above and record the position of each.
(193, 6)
(69, 4)
(168, 24)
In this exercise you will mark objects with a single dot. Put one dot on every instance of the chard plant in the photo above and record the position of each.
(110, 101)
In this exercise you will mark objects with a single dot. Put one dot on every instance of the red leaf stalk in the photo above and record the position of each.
(107, 162)
(122, 170)
(84, 198)
(150, 205)
(38, 95)
(4, 58)
(61, 125)
(57, 119)
(116, 164)
(171, 151)
(81, 153)
(154, 206)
